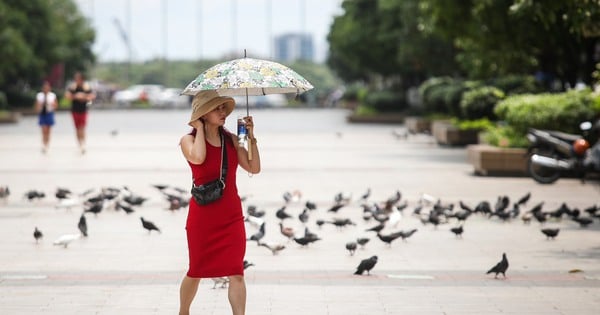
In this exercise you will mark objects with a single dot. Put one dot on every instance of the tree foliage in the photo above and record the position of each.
(479, 39)
(37, 35)
(384, 40)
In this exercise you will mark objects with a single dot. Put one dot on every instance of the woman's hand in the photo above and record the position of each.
(249, 126)
(198, 124)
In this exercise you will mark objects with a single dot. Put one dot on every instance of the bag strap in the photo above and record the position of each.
(223, 159)
(223, 167)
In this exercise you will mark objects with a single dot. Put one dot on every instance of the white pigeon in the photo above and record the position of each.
(254, 221)
(394, 218)
(66, 239)
(67, 203)
(223, 281)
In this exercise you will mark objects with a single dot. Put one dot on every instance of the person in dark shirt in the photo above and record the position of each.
(81, 95)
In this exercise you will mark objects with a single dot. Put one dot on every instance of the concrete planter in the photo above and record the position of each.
(9, 117)
(445, 133)
(417, 124)
(490, 160)
(389, 118)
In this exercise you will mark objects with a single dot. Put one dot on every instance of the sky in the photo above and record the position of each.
(206, 29)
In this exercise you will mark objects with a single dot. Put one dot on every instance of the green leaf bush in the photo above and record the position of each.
(516, 84)
(386, 101)
(480, 102)
(561, 111)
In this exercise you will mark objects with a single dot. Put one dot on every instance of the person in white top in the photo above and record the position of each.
(45, 105)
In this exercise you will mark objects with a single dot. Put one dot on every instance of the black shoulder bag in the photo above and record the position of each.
(213, 190)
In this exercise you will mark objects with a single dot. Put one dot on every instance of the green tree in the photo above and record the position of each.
(385, 41)
(36, 35)
(499, 37)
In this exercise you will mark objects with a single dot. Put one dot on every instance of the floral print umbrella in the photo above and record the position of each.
(248, 76)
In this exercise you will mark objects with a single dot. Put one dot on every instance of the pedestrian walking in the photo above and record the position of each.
(81, 96)
(215, 229)
(46, 103)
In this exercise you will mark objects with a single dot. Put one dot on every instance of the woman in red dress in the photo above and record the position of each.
(215, 232)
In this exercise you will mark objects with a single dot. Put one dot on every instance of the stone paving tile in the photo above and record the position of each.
(120, 269)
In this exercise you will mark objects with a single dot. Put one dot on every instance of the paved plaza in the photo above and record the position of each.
(122, 269)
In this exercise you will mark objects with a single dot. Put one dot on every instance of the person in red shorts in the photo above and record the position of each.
(81, 95)
(215, 231)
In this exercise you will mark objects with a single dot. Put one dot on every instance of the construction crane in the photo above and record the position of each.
(127, 42)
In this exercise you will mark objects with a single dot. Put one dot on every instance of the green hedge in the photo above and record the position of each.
(386, 101)
(3, 101)
(561, 111)
(516, 84)
(480, 102)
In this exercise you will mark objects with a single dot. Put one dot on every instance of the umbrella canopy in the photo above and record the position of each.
(248, 76)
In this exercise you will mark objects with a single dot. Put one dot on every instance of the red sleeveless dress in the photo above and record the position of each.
(216, 233)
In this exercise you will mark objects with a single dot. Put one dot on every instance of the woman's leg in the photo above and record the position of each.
(187, 292)
(237, 294)
(45, 135)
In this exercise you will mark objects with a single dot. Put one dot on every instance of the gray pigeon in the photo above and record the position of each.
(366, 265)
(500, 267)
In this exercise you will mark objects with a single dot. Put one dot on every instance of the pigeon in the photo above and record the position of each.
(65, 240)
(135, 200)
(281, 214)
(500, 267)
(523, 200)
(37, 234)
(351, 247)
(304, 241)
(254, 221)
(4, 193)
(583, 222)
(292, 196)
(247, 264)
(258, 235)
(286, 231)
(311, 205)
(336, 207)
(389, 238)
(129, 209)
(223, 281)
(82, 225)
(95, 208)
(62, 193)
(274, 248)
(67, 203)
(458, 231)
(34, 194)
(303, 216)
(362, 241)
(550, 233)
(366, 265)
(149, 226)
(464, 206)
(376, 228)
(407, 234)
(366, 195)
(252, 211)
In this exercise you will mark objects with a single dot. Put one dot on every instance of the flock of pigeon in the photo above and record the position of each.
(385, 216)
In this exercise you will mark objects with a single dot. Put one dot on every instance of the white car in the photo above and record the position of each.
(137, 93)
(172, 98)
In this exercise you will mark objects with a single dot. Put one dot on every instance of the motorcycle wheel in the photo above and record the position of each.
(542, 174)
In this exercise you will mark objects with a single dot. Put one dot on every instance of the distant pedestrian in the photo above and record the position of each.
(45, 105)
(81, 96)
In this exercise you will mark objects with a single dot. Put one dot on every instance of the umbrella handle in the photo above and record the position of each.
(249, 150)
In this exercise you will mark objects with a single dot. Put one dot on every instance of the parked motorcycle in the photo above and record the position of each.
(553, 154)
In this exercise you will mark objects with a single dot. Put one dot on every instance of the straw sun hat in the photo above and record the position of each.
(206, 101)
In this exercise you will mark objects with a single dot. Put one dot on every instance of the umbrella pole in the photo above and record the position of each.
(249, 142)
